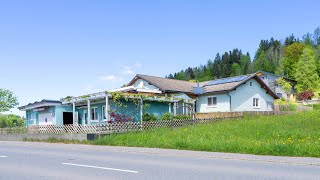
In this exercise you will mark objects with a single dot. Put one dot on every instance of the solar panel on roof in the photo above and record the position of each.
(226, 80)
(198, 90)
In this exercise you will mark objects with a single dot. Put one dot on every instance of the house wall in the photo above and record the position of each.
(128, 108)
(58, 118)
(142, 84)
(47, 113)
(241, 100)
(223, 103)
(157, 108)
(31, 118)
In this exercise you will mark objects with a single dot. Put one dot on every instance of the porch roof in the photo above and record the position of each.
(102, 95)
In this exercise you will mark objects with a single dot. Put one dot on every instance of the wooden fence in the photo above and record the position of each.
(218, 115)
(108, 128)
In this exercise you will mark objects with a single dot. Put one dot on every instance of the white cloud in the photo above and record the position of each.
(137, 65)
(130, 70)
(107, 78)
(111, 78)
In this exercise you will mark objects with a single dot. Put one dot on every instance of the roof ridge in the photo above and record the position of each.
(165, 78)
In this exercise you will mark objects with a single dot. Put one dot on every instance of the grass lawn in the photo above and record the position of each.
(291, 135)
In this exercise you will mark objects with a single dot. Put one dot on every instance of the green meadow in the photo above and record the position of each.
(289, 135)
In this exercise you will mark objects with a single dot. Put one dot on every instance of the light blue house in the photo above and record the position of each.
(161, 95)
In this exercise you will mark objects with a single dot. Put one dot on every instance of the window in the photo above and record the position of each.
(104, 112)
(94, 113)
(279, 95)
(32, 118)
(250, 83)
(212, 101)
(256, 103)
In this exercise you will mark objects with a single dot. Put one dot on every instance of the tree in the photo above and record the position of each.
(11, 120)
(262, 63)
(235, 69)
(285, 85)
(306, 72)
(292, 55)
(317, 56)
(7, 100)
(290, 40)
(245, 64)
(307, 39)
(316, 37)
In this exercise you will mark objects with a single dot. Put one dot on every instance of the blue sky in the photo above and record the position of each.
(53, 49)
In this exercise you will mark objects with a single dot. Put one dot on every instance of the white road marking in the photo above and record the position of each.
(97, 167)
(3, 156)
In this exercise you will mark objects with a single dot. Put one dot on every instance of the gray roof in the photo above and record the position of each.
(214, 86)
(166, 84)
(39, 103)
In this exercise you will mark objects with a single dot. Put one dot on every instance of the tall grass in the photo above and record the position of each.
(290, 135)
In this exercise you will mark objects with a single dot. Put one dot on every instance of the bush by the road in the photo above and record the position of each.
(291, 135)
(11, 120)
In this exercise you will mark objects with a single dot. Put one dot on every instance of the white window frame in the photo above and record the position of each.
(256, 103)
(213, 105)
(95, 114)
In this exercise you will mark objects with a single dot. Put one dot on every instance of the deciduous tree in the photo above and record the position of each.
(285, 85)
(7, 100)
(306, 72)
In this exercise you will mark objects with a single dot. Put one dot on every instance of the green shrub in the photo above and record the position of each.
(11, 120)
(315, 106)
(166, 116)
(292, 107)
(149, 117)
(280, 101)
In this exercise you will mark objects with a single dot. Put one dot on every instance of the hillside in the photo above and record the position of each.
(274, 56)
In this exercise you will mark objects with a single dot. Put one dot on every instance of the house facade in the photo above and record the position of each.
(271, 80)
(246, 97)
(157, 96)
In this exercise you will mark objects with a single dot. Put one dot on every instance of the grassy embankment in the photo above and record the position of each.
(290, 135)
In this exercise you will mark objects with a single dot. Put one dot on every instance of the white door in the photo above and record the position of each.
(45, 118)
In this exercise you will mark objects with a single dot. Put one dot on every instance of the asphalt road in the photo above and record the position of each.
(26, 160)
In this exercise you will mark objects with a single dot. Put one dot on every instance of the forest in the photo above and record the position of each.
(294, 57)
